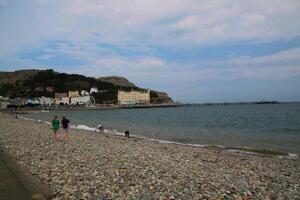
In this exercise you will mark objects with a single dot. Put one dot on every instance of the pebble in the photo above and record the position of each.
(104, 166)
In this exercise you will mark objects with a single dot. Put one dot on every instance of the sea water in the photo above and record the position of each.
(258, 126)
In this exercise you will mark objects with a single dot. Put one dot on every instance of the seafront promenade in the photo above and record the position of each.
(16, 183)
(104, 166)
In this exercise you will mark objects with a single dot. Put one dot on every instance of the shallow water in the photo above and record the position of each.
(263, 126)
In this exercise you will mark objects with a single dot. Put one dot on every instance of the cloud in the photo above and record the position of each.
(239, 21)
(133, 68)
(46, 56)
(173, 23)
(151, 70)
(252, 19)
(127, 37)
(286, 57)
(41, 1)
(278, 66)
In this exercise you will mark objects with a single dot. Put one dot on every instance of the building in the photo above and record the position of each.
(94, 90)
(62, 101)
(84, 93)
(17, 102)
(72, 94)
(133, 97)
(60, 95)
(83, 100)
(4, 102)
(61, 98)
(45, 101)
(33, 101)
(4, 98)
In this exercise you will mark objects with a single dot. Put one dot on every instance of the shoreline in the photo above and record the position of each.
(242, 149)
(27, 110)
(93, 165)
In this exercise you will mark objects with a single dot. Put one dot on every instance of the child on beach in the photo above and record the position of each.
(100, 127)
(65, 125)
(55, 126)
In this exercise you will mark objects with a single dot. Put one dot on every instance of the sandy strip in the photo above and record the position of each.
(102, 166)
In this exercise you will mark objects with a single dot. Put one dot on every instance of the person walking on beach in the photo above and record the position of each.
(65, 125)
(55, 126)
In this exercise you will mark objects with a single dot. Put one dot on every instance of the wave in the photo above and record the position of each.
(88, 128)
(235, 150)
(83, 127)
(290, 156)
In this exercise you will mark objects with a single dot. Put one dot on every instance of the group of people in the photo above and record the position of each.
(64, 124)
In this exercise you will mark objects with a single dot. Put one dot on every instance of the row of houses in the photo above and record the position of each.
(74, 98)
(124, 97)
(78, 98)
(69, 98)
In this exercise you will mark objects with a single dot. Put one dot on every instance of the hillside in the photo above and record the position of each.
(36, 83)
(13, 77)
(117, 80)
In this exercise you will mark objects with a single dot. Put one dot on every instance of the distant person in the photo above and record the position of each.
(100, 127)
(127, 134)
(55, 125)
(65, 125)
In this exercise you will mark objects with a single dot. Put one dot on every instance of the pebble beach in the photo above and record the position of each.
(95, 165)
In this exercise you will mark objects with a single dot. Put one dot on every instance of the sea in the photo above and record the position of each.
(271, 127)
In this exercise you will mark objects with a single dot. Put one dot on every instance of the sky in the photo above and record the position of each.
(195, 50)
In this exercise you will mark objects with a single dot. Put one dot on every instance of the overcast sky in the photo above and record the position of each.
(196, 50)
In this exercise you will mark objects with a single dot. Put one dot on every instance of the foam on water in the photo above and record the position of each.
(184, 144)
(84, 127)
(29, 119)
(290, 156)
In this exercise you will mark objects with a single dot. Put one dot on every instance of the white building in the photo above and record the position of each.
(45, 101)
(84, 93)
(33, 101)
(83, 100)
(133, 97)
(4, 98)
(4, 102)
(94, 90)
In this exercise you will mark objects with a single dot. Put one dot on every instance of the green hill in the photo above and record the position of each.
(36, 83)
